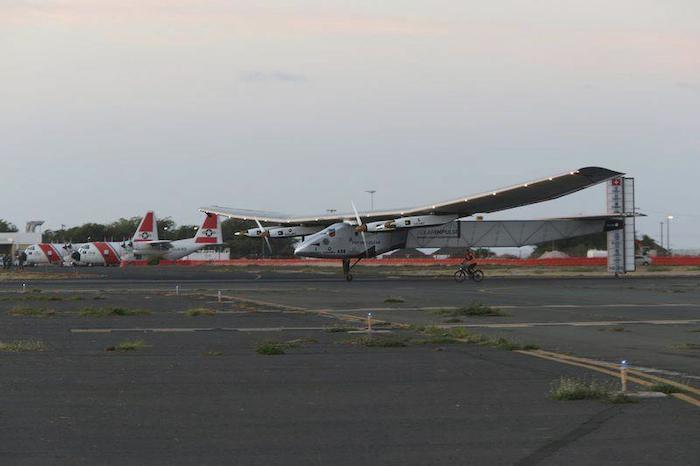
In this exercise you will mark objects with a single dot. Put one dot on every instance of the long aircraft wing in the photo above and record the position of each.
(501, 199)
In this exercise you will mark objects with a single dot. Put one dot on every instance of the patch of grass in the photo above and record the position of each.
(270, 348)
(475, 309)
(75, 298)
(462, 335)
(695, 330)
(658, 268)
(665, 388)
(394, 299)
(112, 311)
(31, 312)
(98, 298)
(379, 341)
(570, 388)
(273, 348)
(339, 329)
(200, 311)
(687, 346)
(453, 320)
(128, 345)
(22, 346)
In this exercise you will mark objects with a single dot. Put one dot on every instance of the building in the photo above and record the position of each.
(14, 242)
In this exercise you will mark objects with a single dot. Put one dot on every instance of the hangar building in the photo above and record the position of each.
(12, 243)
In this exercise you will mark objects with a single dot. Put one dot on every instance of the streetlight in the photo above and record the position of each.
(668, 233)
(371, 198)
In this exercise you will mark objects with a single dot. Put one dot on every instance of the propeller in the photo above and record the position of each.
(361, 228)
(265, 235)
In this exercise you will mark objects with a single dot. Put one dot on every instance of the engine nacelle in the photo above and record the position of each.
(417, 221)
(280, 232)
(292, 231)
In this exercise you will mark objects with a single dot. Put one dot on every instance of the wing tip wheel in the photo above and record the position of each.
(348, 277)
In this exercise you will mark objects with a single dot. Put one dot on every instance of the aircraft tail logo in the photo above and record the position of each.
(148, 228)
(210, 231)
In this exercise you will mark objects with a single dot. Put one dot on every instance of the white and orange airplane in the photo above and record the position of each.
(49, 253)
(146, 245)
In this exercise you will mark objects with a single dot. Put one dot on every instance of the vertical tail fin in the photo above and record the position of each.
(148, 228)
(210, 231)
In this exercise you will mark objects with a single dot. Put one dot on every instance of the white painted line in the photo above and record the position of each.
(576, 324)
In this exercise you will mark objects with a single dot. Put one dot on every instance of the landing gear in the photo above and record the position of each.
(347, 267)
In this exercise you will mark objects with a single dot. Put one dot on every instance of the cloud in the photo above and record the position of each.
(273, 76)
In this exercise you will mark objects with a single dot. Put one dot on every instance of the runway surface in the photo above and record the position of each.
(199, 393)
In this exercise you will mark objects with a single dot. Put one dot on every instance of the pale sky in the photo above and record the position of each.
(108, 109)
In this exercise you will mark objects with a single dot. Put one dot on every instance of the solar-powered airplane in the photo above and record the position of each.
(358, 235)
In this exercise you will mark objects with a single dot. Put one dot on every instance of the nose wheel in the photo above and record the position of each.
(347, 267)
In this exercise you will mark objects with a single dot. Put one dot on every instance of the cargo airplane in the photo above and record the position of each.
(146, 245)
(356, 235)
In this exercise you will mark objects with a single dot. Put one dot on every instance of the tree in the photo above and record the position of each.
(242, 246)
(576, 247)
(7, 227)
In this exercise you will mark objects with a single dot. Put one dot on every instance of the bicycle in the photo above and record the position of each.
(474, 273)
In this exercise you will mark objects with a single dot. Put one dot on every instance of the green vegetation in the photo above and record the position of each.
(22, 346)
(687, 346)
(379, 341)
(200, 311)
(32, 297)
(462, 335)
(665, 388)
(475, 309)
(453, 320)
(273, 348)
(339, 329)
(20, 311)
(569, 389)
(394, 299)
(658, 268)
(112, 311)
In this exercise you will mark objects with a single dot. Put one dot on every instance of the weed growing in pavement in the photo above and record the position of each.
(22, 346)
(200, 311)
(394, 299)
(665, 388)
(687, 346)
(112, 311)
(570, 389)
(475, 309)
(20, 311)
(273, 348)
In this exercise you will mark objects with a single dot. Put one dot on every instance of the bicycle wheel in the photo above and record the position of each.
(478, 275)
(460, 276)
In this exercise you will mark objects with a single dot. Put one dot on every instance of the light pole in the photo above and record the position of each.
(668, 233)
(661, 233)
(371, 198)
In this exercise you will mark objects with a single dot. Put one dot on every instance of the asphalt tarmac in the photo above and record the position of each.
(198, 393)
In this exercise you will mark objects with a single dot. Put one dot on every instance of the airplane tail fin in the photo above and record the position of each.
(210, 231)
(148, 228)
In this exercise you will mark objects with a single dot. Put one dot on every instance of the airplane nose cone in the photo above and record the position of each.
(75, 256)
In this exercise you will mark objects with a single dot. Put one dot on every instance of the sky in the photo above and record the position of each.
(108, 109)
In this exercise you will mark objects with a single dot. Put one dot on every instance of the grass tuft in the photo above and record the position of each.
(112, 311)
(475, 309)
(570, 389)
(20, 311)
(22, 346)
(665, 388)
(339, 329)
(687, 346)
(200, 311)
(269, 348)
(394, 299)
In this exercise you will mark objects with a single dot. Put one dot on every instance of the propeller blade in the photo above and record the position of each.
(360, 227)
(265, 235)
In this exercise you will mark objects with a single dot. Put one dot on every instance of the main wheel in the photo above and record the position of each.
(460, 276)
(348, 277)
(478, 275)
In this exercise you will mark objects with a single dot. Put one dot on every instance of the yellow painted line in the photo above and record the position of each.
(686, 398)
(656, 378)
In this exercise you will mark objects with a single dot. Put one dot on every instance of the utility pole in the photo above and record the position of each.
(661, 230)
(371, 198)
(668, 233)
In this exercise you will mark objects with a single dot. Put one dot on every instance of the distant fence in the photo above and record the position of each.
(560, 262)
